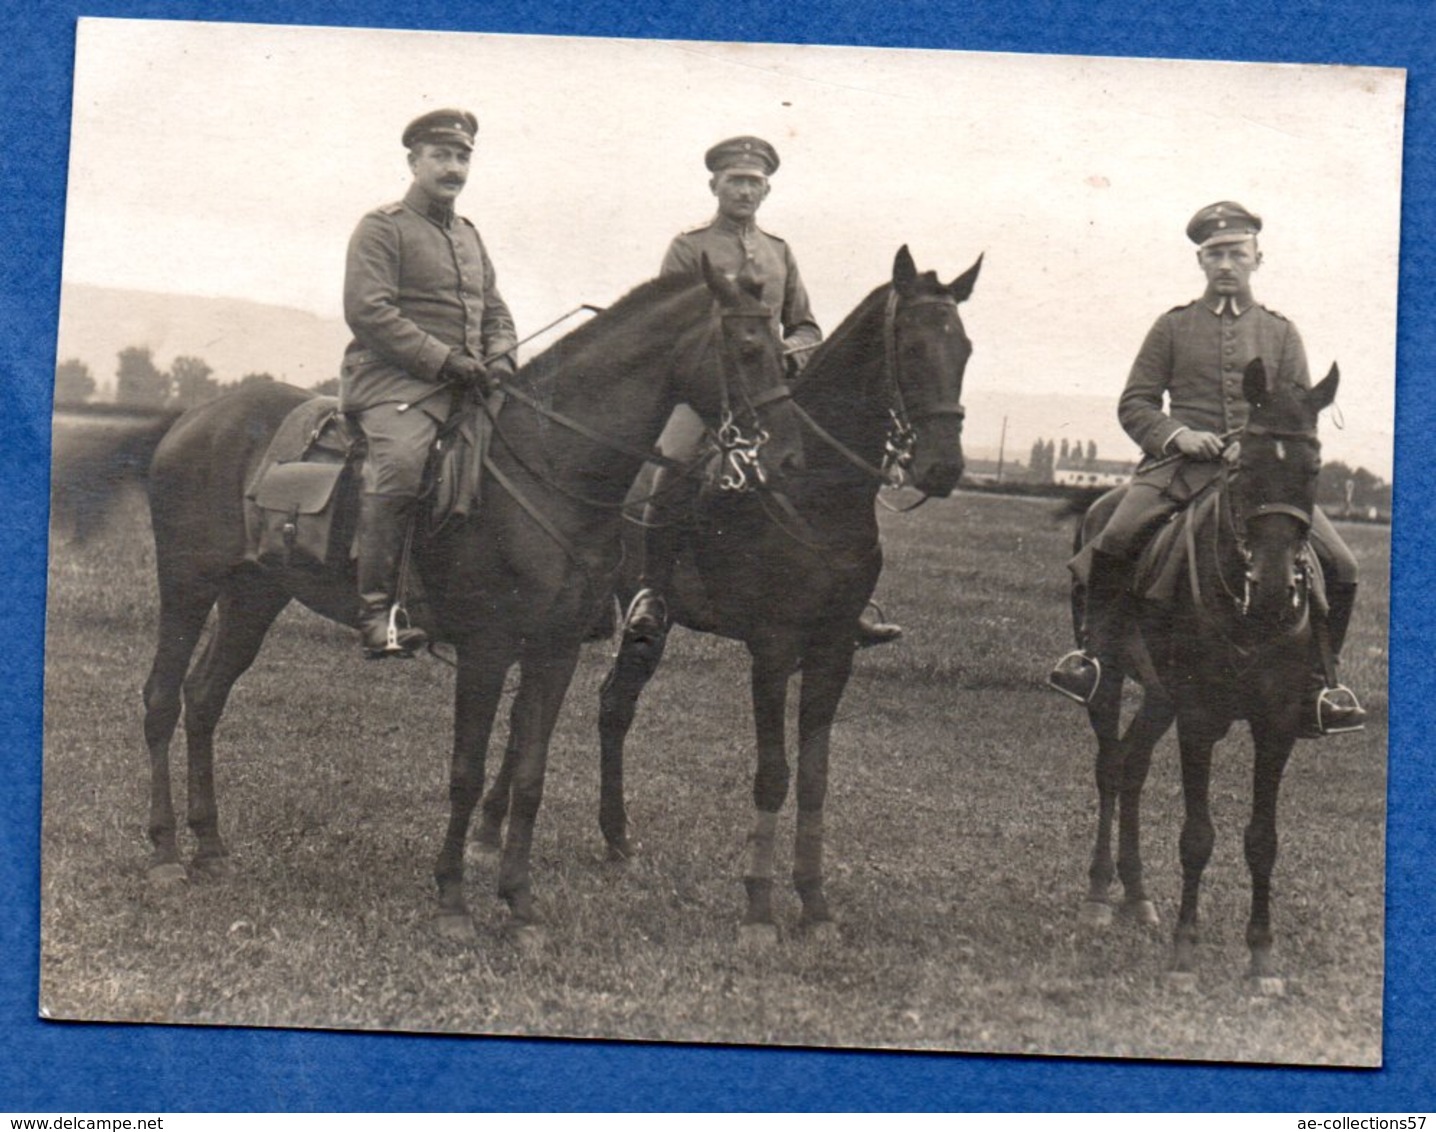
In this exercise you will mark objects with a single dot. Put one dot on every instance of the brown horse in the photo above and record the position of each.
(1236, 643)
(789, 575)
(517, 583)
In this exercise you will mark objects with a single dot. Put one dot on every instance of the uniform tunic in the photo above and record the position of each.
(731, 247)
(1195, 357)
(418, 284)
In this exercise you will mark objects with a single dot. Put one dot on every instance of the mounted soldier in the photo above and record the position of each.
(734, 244)
(1194, 357)
(421, 299)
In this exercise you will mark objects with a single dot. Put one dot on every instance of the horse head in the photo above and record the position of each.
(927, 352)
(750, 401)
(1275, 494)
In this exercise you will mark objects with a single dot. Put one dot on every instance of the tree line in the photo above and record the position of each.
(1340, 489)
(140, 383)
(1045, 456)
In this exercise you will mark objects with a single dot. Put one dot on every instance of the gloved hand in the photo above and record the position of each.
(1198, 444)
(501, 369)
(468, 372)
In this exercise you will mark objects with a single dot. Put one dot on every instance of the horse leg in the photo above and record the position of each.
(1197, 732)
(1104, 712)
(543, 681)
(494, 809)
(773, 662)
(618, 703)
(477, 687)
(183, 611)
(1273, 748)
(1153, 718)
(247, 607)
(826, 669)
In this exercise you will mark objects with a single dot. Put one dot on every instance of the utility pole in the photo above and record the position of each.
(1001, 448)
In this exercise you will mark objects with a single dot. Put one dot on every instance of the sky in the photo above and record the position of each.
(1075, 177)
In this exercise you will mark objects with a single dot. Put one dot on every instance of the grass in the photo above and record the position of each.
(959, 819)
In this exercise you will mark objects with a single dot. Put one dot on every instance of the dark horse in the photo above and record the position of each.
(789, 575)
(519, 582)
(1235, 643)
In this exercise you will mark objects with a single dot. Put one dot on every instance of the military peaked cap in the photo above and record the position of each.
(442, 126)
(1225, 222)
(742, 153)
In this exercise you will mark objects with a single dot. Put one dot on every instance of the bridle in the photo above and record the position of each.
(740, 454)
(903, 429)
(1241, 519)
(903, 425)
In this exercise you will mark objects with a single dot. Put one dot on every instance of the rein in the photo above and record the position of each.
(739, 452)
(902, 433)
(1226, 516)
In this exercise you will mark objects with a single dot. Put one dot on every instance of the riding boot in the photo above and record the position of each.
(383, 526)
(872, 631)
(1078, 674)
(1333, 706)
(647, 615)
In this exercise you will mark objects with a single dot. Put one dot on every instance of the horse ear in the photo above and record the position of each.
(961, 287)
(721, 286)
(749, 282)
(1324, 392)
(1254, 386)
(904, 270)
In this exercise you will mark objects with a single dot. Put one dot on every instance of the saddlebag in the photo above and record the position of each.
(306, 515)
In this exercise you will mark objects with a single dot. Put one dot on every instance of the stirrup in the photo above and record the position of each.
(659, 624)
(399, 641)
(1339, 702)
(1063, 668)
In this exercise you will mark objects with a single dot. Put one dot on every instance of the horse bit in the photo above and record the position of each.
(901, 437)
(740, 465)
(1303, 563)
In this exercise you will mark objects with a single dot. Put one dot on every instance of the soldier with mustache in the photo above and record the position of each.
(421, 299)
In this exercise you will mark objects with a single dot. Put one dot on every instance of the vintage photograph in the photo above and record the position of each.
(722, 543)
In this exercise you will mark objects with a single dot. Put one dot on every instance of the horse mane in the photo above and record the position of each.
(542, 367)
(841, 338)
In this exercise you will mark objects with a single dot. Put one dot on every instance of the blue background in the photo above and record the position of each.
(60, 1067)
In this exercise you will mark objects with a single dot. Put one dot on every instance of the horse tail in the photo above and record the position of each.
(98, 451)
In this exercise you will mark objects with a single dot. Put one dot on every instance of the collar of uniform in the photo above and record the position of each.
(723, 224)
(430, 209)
(1218, 304)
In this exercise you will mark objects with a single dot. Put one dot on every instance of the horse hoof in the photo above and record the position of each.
(757, 938)
(1183, 982)
(455, 925)
(1267, 986)
(528, 939)
(1142, 912)
(1096, 914)
(169, 876)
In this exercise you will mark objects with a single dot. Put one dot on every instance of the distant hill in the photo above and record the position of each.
(233, 336)
(236, 337)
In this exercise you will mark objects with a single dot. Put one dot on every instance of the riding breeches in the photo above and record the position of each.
(1144, 507)
(682, 436)
(399, 446)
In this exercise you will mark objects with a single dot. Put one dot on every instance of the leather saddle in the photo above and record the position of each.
(302, 504)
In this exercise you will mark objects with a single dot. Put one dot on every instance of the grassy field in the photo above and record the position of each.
(960, 820)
